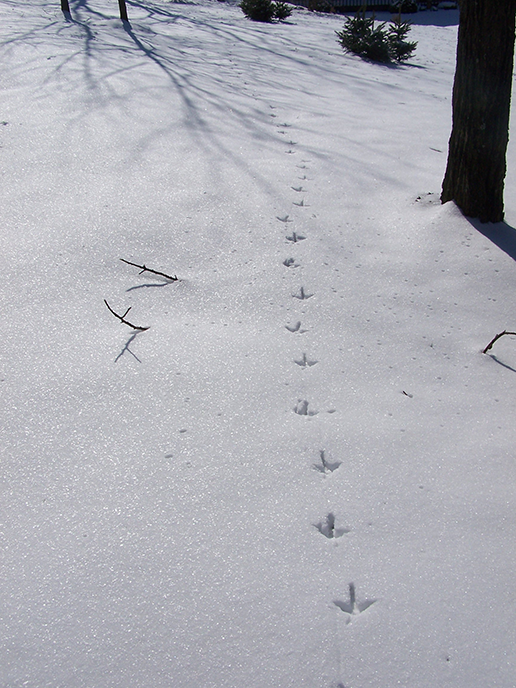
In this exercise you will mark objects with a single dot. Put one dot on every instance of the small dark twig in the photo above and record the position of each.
(144, 268)
(122, 318)
(123, 10)
(501, 334)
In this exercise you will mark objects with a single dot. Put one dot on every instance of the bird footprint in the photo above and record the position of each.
(353, 608)
(327, 528)
(304, 362)
(294, 238)
(302, 296)
(296, 328)
(326, 466)
(301, 408)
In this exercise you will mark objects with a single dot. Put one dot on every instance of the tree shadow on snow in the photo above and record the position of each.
(186, 58)
(503, 236)
(500, 233)
(215, 70)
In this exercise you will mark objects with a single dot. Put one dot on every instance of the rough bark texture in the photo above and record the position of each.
(476, 168)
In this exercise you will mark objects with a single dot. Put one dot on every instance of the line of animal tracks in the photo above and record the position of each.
(304, 298)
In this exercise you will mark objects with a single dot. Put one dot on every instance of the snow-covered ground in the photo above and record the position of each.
(303, 474)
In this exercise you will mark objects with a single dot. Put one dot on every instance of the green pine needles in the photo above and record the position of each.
(400, 48)
(265, 10)
(361, 36)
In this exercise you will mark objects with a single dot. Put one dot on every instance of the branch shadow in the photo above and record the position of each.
(126, 348)
(150, 285)
(505, 365)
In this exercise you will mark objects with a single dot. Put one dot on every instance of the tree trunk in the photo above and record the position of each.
(123, 10)
(476, 167)
(65, 7)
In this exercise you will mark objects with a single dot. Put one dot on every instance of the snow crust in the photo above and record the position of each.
(303, 474)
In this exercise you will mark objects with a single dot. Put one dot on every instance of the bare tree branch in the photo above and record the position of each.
(122, 318)
(144, 268)
(501, 334)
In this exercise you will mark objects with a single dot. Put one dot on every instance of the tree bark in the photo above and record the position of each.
(476, 166)
(65, 7)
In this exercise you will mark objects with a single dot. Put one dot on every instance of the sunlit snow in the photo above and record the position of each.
(302, 475)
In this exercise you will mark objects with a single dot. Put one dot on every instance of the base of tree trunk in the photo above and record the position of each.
(476, 167)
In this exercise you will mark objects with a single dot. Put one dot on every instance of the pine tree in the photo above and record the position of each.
(265, 10)
(362, 37)
(399, 48)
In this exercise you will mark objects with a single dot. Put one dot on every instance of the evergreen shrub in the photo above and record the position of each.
(361, 36)
(265, 10)
(281, 10)
(400, 49)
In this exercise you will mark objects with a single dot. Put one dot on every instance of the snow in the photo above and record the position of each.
(302, 474)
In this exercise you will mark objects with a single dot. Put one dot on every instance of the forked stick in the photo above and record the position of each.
(122, 318)
(144, 268)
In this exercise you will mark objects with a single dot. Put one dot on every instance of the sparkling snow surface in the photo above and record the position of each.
(303, 474)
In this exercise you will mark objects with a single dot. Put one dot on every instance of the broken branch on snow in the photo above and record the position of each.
(501, 334)
(144, 268)
(122, 318)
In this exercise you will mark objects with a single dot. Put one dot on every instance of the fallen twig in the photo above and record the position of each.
(122, 318)
(501, 334)
(144, 268)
